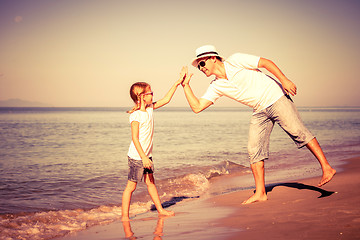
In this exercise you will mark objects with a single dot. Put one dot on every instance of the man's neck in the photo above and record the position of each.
(220, 72)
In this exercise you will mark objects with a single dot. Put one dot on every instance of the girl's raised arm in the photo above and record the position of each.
(171, 92)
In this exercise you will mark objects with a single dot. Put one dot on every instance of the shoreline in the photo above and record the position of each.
(295, 210)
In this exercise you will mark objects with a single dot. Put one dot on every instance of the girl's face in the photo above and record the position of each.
(147, 96)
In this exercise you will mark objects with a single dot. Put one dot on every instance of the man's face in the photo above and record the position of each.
(206, 65)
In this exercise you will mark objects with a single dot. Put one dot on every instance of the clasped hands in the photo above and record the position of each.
(185, 76)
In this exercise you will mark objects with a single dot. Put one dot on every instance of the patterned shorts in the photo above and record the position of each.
(137, 170)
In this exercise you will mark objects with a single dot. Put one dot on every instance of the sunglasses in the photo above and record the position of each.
(149, 93)
(202, 63)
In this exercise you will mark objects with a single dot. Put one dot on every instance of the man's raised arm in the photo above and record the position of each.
(197, 105)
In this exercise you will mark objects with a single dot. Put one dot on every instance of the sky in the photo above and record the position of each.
(87, 53)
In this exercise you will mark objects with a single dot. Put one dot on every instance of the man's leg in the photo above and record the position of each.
(328, 171)
(259, 176)
(258, 149)
(289, 119)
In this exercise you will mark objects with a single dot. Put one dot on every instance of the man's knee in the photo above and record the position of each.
(257, 154)
(257, 160)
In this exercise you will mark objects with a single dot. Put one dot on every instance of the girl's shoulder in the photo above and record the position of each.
(136, 116)
(147, 109)
(139, 115)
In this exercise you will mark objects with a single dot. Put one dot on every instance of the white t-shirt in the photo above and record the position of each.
(146, 132)
(245, 84)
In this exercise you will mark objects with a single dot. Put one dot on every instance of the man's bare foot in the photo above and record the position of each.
(163, 212)
(256, 198)
(327, 176)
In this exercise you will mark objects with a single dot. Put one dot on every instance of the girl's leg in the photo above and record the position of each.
(130, 188)
(150, 182)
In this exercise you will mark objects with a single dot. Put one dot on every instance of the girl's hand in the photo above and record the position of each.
(186, 76)
(147, 163)
(182, 76)
(289, 87)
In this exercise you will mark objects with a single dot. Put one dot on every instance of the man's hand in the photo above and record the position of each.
(182, 76)
(289, 87)
(186, 76)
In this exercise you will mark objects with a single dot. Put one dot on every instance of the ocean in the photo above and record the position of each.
(64, 169)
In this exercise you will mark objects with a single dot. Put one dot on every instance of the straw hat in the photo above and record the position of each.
(205, 51)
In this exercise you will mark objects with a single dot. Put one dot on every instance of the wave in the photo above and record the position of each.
(47, 225)
(195, 183)
(51, 224)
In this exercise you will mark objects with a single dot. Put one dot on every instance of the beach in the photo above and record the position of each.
(63, 171)
(300, 210)
(295, 210)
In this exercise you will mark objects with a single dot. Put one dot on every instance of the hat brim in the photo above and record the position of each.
(195, 61)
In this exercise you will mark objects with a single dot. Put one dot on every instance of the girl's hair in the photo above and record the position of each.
(136, 90)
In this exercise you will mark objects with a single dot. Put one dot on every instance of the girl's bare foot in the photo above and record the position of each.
(256, 198)
(163, 212)
(327, 176)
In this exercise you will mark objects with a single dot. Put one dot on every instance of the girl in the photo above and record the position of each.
(140, 150)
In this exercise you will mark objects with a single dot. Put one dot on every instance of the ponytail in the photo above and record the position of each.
(135, 108)
(136, 90)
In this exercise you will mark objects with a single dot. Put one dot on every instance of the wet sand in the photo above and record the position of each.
(299, 209)
(295, 210)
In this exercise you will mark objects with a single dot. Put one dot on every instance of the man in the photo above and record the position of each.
(239, 78)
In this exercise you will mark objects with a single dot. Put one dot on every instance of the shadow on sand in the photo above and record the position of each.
(172, 201)
(300, 186)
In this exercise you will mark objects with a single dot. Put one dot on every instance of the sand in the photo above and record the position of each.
(295, 210)
(300, 210)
